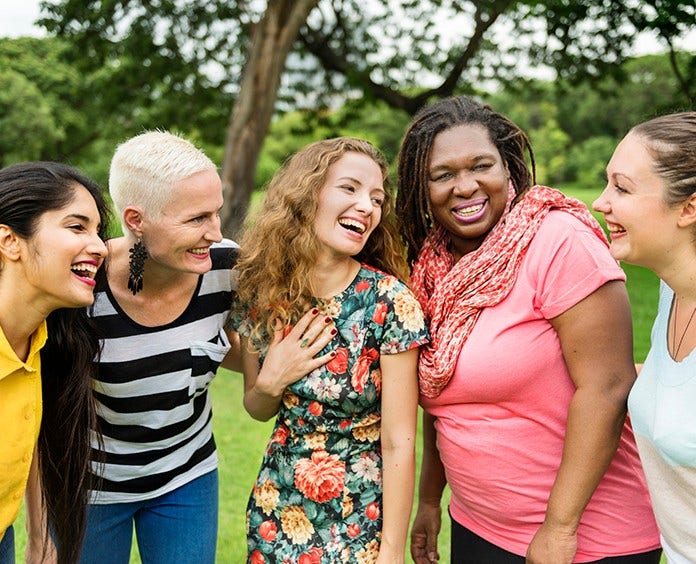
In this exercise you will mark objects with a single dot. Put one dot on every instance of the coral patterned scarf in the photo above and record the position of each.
(453, 295)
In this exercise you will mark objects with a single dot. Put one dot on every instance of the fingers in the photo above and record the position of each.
(313, 331)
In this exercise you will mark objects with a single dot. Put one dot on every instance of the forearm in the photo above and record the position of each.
(398, 480)
(260, 405)
(595, 422)
(432, 473)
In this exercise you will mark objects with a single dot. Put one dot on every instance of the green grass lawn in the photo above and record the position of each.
(241, 440)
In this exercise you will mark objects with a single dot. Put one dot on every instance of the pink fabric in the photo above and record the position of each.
(452, 295)
(501, 420)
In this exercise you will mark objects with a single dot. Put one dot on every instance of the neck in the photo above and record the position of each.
(19, 324)
(332, 277)
(157, 281)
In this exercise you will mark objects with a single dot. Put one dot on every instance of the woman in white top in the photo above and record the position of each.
(649, 206)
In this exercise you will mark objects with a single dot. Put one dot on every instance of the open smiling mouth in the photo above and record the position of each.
(85, 270)
(351, 225)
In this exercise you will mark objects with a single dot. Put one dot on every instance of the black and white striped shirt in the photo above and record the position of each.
(152, 397)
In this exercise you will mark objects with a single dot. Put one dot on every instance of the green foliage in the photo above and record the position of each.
(26, 121)
(49, 114)
(587, 161)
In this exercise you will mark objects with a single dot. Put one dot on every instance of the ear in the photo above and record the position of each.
(687, 215)
(133, 220)
(10, 243)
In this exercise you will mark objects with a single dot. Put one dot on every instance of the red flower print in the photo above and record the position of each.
(339, 363)
(268, 531)
(380, 313)
(313, 556)
(362, 286)
(361, 369)
(321, 477)
(281, 435)
(372, 511)
(315, 408)
(343, 425)
(353, 530)
(257, 557)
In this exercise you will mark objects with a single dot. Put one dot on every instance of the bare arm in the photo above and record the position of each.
(596, 338)
(289, 358)
(426, 525)
(35, 521)
(233, 358)
(398, 438)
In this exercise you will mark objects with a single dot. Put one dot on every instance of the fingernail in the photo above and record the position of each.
(333, 354)
(315, 311)
(334, 331)
(327, 320)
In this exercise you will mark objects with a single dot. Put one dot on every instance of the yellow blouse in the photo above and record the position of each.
(20, 419)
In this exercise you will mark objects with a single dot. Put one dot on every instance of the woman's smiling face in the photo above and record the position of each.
(350, 205)
(641, 224)
(467, 185)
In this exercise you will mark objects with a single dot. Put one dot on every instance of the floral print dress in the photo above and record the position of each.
(318, 495)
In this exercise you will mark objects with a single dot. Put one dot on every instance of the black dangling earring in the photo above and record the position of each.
(136, 265)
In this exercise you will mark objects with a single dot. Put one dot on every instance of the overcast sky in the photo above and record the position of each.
(17, 18)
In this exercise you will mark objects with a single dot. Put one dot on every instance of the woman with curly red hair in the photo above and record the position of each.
(336, 481)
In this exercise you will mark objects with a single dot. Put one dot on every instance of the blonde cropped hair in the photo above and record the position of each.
(145, 167)
(279, 250)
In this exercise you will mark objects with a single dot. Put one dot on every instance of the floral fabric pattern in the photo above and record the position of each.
(318, 495)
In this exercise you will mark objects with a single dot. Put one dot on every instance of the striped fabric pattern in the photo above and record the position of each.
(153, 405)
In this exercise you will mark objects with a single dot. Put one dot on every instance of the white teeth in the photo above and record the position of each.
(465, 212)
(616, 230)
(198, 251)
(352, 225)
(84, 269)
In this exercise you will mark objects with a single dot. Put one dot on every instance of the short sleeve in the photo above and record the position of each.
(569, 262)
(398, 310)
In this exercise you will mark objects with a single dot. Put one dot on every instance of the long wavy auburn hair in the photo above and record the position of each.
(279, 249)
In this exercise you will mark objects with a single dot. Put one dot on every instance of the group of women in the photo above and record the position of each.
(505, 316)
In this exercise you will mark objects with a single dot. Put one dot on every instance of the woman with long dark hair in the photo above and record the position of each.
(51, 246)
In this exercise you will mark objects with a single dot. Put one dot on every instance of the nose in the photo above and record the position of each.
(97, 247)
(465, 185)
(601, 204)
(363, 202)
(214, 232)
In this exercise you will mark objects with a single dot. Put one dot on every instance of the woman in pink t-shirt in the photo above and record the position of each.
(525, 380)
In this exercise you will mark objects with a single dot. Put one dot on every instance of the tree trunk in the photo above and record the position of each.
(255, 104)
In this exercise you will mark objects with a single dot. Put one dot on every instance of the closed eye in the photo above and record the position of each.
(441, 176)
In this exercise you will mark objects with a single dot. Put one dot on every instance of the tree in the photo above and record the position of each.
(255, 103)
(42, 102)
(181, 55)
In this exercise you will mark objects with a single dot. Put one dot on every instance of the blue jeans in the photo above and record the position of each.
(179, 526)
(7, 549)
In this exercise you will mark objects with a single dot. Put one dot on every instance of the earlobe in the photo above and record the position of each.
(10, 247)
(687, 216)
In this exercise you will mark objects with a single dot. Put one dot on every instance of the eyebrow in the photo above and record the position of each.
(358, 182)
(78, 216)
(475, 158)
(616, 175)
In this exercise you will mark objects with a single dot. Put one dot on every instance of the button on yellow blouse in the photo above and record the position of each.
(20, 420)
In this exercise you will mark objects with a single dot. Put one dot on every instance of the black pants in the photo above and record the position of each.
(468, 548)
